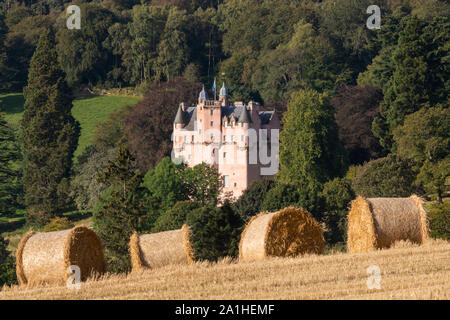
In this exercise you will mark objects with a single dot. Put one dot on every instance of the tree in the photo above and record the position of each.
(108, 137)
(424, 137)
(419, 78)
(149, 126)
(3, 55)
(9, 176)
(146, 29)
(356, 107)
(337, 195)
(81, 52)
(109, 134)
(85, 188)
(215, 232)
(281, 196)
(124, 207)
(391, 176)
(310, 151)
(249, 203)
(49, 134)
(173, 50)
(307, 61)
(175, 217)
(165, 184)
(202, 183)
(7, 265)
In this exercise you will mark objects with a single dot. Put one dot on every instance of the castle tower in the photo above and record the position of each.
(223, 96)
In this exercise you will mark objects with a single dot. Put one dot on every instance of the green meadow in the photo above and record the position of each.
(87, 110)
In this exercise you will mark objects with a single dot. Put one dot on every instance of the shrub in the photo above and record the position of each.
(175, 217)
(215, 232)
(7, 265)
(57, 224)
(391, 176)
(250, 202)
(439, 219)
(281, 196)
(337, 195)
(304, 196)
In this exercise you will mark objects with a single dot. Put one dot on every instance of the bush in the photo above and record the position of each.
(281, 196)
(439, 219)
(57, 224)
(391, 176)
(7, 265)
(215, 232)
(175, 217)
(304, 196)
(337, 195)
(250, 202)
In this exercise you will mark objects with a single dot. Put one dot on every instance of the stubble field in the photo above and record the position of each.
(407, 272)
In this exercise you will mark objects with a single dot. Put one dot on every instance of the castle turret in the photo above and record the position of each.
(180, 118)
(223, 95)
(244, 117)
(203, 96)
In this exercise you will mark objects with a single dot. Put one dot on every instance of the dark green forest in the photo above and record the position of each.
(364, 111)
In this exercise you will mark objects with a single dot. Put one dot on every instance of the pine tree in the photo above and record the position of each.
(49, 134)
(9, 152)
(122, 209)
(7, 265)
(420, 78)
(310, 150)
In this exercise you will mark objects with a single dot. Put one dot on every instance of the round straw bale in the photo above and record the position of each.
(159, 249)
(377, 223)
(286, 233)
(44, 257)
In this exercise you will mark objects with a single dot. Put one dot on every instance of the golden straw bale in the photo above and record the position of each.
(377, 223)
(159, 249)
(44, 257)
(286, 233)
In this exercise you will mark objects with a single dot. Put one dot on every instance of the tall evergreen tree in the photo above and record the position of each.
(7, 265)
(49, 134)
(310, 150)
(9, 176)
(3, 55)
(420, 77)
(122, 209)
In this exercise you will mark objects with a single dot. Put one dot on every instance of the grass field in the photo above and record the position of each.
(407, 272)
(87, 110)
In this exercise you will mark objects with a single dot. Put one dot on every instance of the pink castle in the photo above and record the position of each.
(226, 135)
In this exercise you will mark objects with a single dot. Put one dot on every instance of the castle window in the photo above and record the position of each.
(192, 138)
(212, 123)
(212, 136)
(224, 154)
(235, 184)
(212, 112)
(224, 138)
(225, 181)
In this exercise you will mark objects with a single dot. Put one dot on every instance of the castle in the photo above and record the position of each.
(229, 136)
